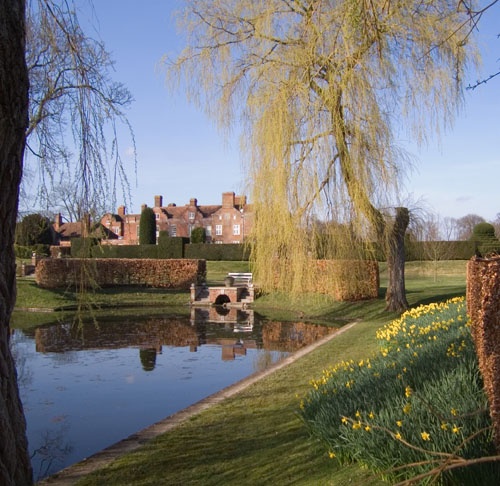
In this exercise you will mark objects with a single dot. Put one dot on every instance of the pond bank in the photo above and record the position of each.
(72, 474)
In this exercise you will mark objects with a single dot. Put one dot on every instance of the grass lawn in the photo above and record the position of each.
(256, 437)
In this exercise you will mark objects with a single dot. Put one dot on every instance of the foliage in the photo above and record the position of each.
(147, 227)
(484, 231)
(34, 229)
(306, 77)
(27, 251)
(484, 235)
(198, 235)
(401, 416)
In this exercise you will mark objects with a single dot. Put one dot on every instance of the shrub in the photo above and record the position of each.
(198, 235)
(484, 236)
(417, 405)
(147, 227)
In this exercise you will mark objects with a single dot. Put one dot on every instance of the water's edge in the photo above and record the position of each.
(73, 473)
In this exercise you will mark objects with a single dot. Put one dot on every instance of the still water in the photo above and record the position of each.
(86, 387)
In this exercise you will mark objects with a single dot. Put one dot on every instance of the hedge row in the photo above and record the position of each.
(227, 252)
(177, 247)
(174, 273)
(167, 247)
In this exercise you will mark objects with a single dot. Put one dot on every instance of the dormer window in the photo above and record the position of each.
(191, 215)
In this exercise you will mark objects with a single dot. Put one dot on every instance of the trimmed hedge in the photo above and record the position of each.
(227, 252)
(439, 250)
(171, 246)
(104, 272)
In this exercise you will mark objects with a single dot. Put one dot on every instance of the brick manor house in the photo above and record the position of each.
(229, 222)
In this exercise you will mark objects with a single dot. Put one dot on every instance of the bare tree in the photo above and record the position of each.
(322, 89)
(74, 106)
(67, 91)
(496, 224)
(465, 225)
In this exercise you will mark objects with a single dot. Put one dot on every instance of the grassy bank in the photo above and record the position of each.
(256, 437)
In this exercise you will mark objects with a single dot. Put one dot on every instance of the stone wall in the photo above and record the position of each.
(105, 272)
(483, 306)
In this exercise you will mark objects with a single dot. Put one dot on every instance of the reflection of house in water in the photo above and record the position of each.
(150, 336)
(235, 330)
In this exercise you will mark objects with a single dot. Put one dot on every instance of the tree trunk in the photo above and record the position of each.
(15, 466)
(395, 296)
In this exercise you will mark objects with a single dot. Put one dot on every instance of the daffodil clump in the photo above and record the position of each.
(416, 404)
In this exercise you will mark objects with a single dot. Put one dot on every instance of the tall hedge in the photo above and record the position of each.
(147, 227)
(226, 252)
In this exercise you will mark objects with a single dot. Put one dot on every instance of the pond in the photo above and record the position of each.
(85, 387)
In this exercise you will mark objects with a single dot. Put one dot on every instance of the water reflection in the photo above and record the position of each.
(126, 373)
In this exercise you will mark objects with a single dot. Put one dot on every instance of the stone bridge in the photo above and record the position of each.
(238, 295)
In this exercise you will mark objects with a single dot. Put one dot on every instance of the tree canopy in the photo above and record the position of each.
(323, 91)
(34, 229)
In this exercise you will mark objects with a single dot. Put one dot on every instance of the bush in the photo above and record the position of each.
(147, 227)
(417, 405)
(484, 236)
(198, 235)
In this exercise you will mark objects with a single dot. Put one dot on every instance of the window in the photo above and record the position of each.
(173, 230)
(218, 230)
(191, 215)
(157, 215)
(208, 230)
(236, 229)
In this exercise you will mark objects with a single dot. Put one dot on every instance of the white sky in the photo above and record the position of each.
(182, 156)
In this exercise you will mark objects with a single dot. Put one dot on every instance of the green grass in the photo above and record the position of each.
(257, 437)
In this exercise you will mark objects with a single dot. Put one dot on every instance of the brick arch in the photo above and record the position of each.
(222, 299)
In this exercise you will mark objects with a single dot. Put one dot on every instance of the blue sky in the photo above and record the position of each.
(181, 155)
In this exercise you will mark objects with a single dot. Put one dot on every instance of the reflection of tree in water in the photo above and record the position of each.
(50, 455)
(148, 359)
(264, 359)
(21, 355)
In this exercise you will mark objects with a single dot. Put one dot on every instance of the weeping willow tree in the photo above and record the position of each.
(322, 90)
